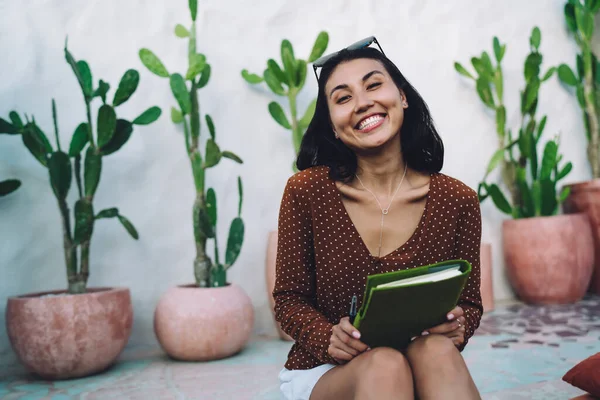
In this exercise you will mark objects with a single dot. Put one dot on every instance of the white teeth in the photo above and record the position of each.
(367, 123)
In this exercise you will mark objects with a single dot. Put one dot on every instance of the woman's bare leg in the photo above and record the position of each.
(439, 370)
(378, 374)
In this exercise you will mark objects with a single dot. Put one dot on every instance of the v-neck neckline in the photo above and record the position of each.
(404, 245)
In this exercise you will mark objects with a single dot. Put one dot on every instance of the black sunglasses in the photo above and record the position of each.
(361, 44)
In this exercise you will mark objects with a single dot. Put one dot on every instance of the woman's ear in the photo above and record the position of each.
(403, 97)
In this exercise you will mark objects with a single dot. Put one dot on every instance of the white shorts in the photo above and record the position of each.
(297, 384)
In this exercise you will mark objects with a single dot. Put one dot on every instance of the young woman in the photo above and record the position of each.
(369, 198)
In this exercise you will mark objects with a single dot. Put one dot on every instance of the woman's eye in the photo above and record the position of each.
(342, 99)
(374, 85)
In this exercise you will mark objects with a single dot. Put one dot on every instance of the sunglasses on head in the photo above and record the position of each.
(361, 44)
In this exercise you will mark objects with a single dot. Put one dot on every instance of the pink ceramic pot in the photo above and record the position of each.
(270, 278)
(549, 260)
(69, 336)
(201, 324)
(585, 197)
(485, 287)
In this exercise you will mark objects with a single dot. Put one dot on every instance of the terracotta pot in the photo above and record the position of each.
(201, 324)
(485, 286)
(549, 260)
(585, 197)
(270, 278)
(65, 336)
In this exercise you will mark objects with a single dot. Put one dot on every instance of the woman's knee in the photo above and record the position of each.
(386, 365)
(431, 347)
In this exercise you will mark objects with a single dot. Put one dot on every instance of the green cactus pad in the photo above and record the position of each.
(59, 168)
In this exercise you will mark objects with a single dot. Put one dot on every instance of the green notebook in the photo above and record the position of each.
(400, 305)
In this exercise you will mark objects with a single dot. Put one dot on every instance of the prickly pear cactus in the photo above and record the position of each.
(8, 186)
(532, 187)
(185, 88)
(82, 161)
(288, 82)
(580, 20)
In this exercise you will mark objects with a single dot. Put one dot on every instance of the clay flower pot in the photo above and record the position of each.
(202, 324)
(549, 260)
(61, 336)
(270, 278)
(585, 197)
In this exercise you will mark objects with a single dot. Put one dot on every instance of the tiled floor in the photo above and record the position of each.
(520, 352)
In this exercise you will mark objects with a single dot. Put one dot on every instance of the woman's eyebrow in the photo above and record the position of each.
(344, 86)
(370, 74)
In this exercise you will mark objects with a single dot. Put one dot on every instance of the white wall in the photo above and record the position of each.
(150, 179)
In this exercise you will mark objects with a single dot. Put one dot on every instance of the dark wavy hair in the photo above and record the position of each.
(422, 147)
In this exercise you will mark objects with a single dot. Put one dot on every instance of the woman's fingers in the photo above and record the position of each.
(455, 313)
(455, 321)
(445, 328)
(454, 329)
(339, 355)
(341, 343)
(352, 335)
(349, 328)
(458, 338)
(344, 343)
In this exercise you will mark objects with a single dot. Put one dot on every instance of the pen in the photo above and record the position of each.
(353, 309)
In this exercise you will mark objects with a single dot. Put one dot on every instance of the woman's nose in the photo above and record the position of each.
(363, 102)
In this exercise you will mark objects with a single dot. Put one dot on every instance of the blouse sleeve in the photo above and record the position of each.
(468, 242)
(294, 291)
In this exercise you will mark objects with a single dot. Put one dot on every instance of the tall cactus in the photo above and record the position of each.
(185, 90)
(532, 187)
(111, 134)
(580, 21)
(8, 186)
(288, 82)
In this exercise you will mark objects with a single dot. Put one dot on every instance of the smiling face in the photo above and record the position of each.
(365, 105)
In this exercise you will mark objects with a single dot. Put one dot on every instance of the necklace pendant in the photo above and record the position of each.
(384, 211)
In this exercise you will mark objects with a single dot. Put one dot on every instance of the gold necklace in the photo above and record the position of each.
(384, 211)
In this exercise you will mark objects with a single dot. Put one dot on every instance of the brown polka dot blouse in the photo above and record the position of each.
(322, 261)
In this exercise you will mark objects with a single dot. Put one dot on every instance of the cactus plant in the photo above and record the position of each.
(111, 134)
(532, 186)
(185, 90)
(8, 186)
(580, 21)
(288, 82)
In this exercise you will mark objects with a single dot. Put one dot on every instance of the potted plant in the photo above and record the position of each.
(287, 82)
(585, 196)
(548, 256)
(79, 331)
(210, 318)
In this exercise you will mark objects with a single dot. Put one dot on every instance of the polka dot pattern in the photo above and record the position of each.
(322, 260)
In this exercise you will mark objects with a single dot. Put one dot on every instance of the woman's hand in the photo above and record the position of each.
(453, 329)
(344, 343)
